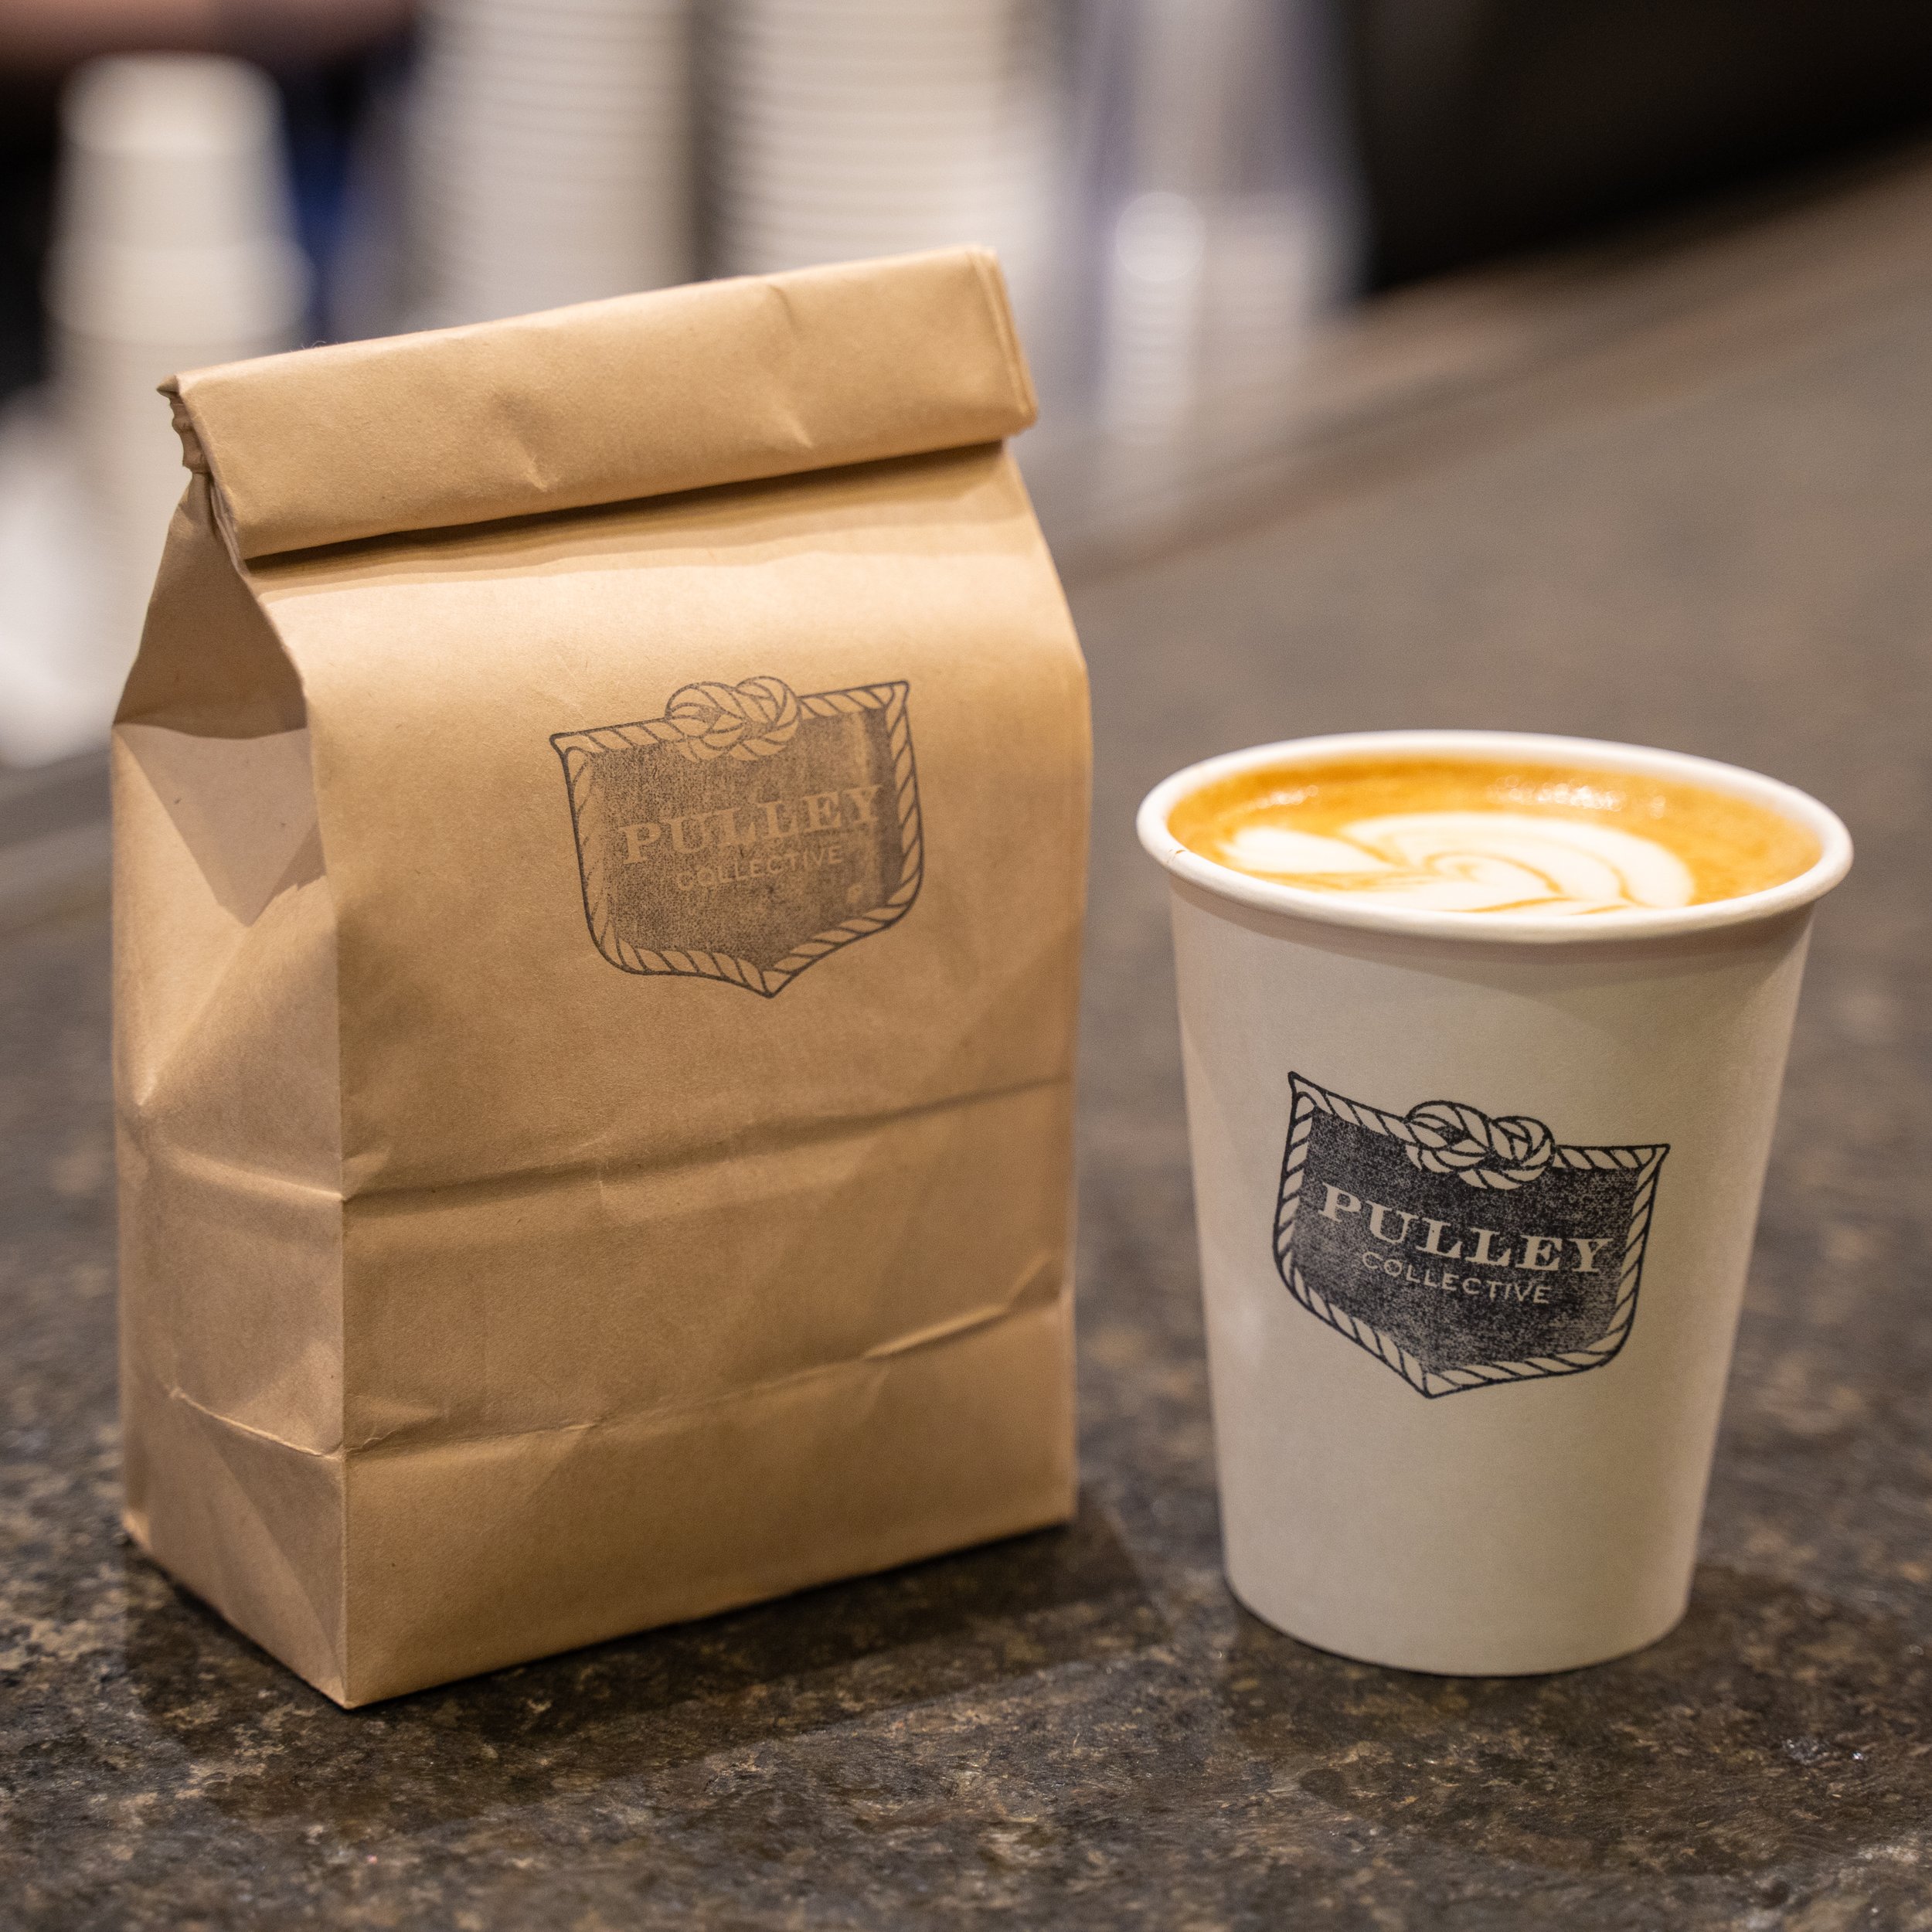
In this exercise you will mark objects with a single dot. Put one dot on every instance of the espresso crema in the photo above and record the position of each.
(1469, 835)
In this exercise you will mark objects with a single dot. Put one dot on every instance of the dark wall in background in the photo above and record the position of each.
(27, 108)
(1487, 126)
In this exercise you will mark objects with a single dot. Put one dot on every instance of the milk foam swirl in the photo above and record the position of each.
(1472, 862)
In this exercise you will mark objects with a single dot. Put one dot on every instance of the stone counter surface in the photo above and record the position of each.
(1731, 555)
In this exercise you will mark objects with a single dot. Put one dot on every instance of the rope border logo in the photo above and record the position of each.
(1518, 1178)
(757, 722)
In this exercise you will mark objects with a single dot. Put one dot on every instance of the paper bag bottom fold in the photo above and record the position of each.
(465, 1556)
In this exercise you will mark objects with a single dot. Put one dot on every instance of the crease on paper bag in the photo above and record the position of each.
(481, 1299)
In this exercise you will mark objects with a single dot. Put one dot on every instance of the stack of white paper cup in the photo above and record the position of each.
(175, 250)
(551, 154)
(1436, 1450)
(847, 128)
(1227, 228)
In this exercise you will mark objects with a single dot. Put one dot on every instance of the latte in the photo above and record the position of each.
(1467, 834)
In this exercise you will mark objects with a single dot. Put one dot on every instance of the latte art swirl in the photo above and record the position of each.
(1444, 834)
(1472, 862)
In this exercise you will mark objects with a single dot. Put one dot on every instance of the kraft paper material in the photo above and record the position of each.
(719, 382)
(601, 815)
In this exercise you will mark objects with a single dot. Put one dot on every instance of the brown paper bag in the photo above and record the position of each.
(601, 815)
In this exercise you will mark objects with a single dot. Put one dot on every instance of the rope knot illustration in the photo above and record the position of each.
(743, 721)
(1445, 1137)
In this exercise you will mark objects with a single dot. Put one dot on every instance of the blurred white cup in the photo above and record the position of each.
(853, 127)
(174, 249)
(549, 155)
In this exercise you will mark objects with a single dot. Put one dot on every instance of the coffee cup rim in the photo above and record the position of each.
(1833, 862)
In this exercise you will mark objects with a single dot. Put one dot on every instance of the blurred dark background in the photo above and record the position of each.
(1489, 126)
(1188, 196)
(325, 62)
(1480, 128)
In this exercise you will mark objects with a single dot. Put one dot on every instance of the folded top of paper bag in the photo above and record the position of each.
(723, 381)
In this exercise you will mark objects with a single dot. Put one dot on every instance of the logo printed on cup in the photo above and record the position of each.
(749, 832)
(1460, 1249)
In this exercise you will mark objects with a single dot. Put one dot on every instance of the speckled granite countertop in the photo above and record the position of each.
(1729, 551)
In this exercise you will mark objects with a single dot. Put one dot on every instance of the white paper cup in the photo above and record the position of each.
(1413, 1471)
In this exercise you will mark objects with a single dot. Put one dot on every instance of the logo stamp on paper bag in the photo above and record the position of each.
(1459, 1249)
(749, 832)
